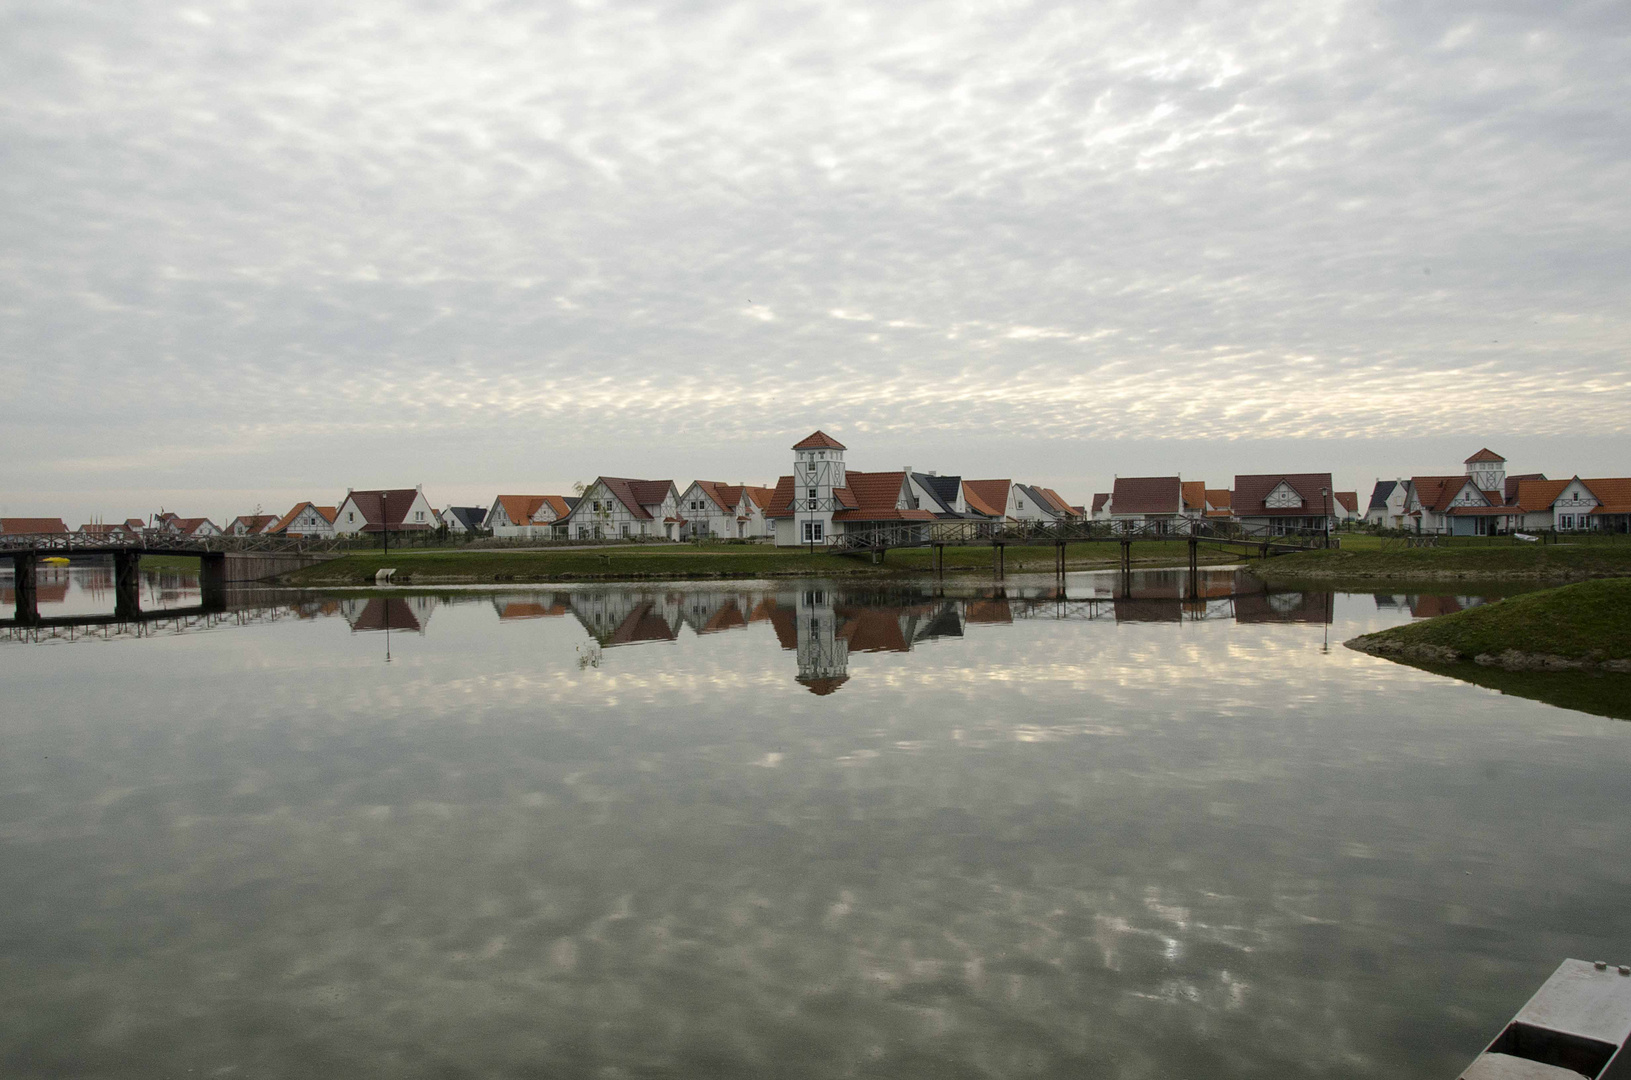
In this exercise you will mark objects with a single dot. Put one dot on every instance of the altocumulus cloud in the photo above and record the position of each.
(247, 227)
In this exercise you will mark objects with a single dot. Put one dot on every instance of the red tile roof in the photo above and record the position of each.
(1221, 498)
(1613, 494)
(988, 497)
(1058, 501)
(1349, 501)
(1146, 495)
(724, 496)
(1436, 493)
(14, 526)
(1194, 494)
(819, 440)
(520, 508)
(1537, 495)
(1099, 500)
(1486, 454)
(1250, 491)
(376, 504)
(761, 496)
(877, 498)
(1512, 483)
(635, 495)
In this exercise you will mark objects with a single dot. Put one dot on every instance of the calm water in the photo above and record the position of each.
(790, 830)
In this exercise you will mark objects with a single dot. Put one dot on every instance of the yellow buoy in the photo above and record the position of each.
(54, 560)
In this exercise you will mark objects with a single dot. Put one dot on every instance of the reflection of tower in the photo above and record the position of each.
(823, 655)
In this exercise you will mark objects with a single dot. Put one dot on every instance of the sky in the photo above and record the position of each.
(253, 253)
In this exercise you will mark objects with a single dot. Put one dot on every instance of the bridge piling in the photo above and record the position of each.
(212, 580)
(25, 585)
(127, 584)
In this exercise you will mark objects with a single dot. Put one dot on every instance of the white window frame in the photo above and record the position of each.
(814, 532)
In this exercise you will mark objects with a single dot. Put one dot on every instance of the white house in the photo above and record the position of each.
(619, 508)
(462, 520)
(305, 519)
(1155, 501)
(1452, 504)
(251, 524)
(823, 499)
(1283, 501)
(374, 511)
(724, 511)
(533, 517)
(1386, 509)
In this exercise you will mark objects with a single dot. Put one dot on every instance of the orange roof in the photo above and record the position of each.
(1486, 454)
(520, 508)
(724, 496)
(1219, 497)
(1349, 501)
(988, 497)
(1194, 494)
(1436, 493)
(761, 496)
(819, 440)
(876, 498)
(1613, 494)
(1537, 495)
(558, 504)
(17, 525)
(1058, 502)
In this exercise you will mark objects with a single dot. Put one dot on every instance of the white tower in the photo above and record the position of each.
(818, 469)
(1488, 470)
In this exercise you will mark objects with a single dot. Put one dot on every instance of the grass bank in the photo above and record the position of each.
(1586, 626)
(685, 562)
(1504, 562)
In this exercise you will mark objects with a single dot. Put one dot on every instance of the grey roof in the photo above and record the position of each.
(1040, 501)
(1378, 497)
(572, 501)
(471, 517)
(947, 487)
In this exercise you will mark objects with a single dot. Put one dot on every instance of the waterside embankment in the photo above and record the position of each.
(1580, 627)
(682, 562)
(1548, 563)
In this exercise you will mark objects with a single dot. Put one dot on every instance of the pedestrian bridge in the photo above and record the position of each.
(223, 561)
(1236, 538)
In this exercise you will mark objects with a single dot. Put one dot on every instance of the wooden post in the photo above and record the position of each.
(212, 580)
(127, 602)
(24, 584)
(1194, 567)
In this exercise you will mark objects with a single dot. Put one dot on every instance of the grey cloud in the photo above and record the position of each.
(475, 224)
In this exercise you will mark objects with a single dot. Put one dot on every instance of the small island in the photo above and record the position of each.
(1580, 627)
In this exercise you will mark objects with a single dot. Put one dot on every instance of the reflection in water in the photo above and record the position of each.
(1035, 835)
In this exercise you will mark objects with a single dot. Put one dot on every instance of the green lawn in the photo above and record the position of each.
(651, 562)
(1589, 621)
(1364, 558)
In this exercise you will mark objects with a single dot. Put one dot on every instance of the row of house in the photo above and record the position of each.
(1483, 501)
(1272, 500)
(822, 498)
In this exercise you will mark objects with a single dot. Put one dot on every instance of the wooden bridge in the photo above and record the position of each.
(222, 561)
(1236, 538)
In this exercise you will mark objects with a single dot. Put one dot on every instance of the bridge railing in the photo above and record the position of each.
(159, 540)
(964, 532)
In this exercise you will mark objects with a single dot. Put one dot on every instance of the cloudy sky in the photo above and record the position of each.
(258, 252)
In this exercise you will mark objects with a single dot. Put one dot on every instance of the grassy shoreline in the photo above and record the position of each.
(1580, 627)
(1554, 563)
(711, 562)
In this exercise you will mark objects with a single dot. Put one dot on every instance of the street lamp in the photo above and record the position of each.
(385, 523)
(1325, 505)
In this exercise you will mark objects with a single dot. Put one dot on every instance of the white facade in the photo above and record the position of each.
(309, 522)
(1571, 510)
(1488, 475)
(1390, 514)
(602, 515)
(705, 516)
(349, 520)
(816, 472)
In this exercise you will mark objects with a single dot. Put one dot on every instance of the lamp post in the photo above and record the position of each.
(1325, 506)
(385, 525)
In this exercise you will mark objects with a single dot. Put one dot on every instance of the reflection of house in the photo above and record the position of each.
(994, 611)
(1429, 606)
(388, 613)
(531, 606)
(621, 617)
(1284, 607)
(823, 653)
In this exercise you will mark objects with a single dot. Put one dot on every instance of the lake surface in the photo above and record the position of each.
(793, 830)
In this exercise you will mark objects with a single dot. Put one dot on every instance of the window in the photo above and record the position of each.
(812, 493)
(625, 530)
(349, 516)
(1566, 521)
(419, 515)
(813, 532)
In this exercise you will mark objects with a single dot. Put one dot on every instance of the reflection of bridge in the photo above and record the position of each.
(223, 561)
(1236, 538)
